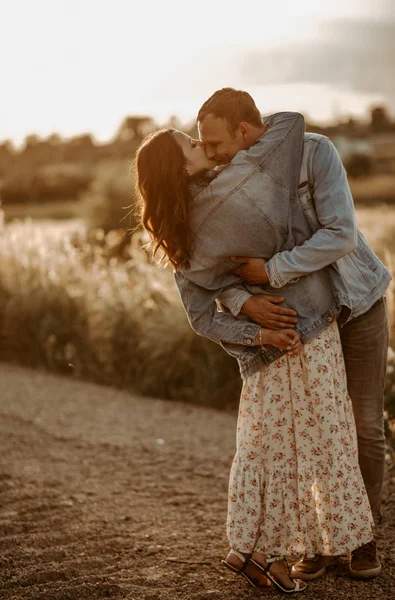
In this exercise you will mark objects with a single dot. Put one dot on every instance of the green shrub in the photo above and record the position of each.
(87, 305)
(108, 201)
(45, 184)
(359, 165)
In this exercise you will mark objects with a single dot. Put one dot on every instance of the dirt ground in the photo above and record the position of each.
(108, 495)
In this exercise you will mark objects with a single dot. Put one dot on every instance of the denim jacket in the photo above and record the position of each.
(251, 209)
(329, 236)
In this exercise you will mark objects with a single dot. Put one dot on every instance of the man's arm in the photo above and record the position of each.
(335, 212)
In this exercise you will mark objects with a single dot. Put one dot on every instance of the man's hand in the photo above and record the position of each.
(263, 310)
(252, 270)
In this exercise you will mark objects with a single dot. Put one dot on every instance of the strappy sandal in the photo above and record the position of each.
(300, 585)
(254, 581)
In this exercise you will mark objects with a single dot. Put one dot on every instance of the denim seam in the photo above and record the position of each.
(281, 142)
(278, 145)
(222, 200)
(264, 215)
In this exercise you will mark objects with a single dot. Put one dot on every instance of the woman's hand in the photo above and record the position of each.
(286, 339)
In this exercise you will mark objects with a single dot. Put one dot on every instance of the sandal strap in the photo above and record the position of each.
(272, 559)
(238, 555)
(297, 587)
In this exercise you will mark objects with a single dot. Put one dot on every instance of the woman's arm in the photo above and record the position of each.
(282, 141)
(204, 318)
(223, 328)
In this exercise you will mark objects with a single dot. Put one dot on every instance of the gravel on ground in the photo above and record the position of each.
(104, 494)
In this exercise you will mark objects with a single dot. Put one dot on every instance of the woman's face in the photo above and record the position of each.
(194, 153)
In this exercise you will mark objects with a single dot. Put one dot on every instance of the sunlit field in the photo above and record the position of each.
(378, 225)
(86, 305)
(91, 305)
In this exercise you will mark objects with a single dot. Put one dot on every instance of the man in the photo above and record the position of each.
(358, 279)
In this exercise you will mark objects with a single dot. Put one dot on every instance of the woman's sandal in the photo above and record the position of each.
(300, 585)
(254, 581)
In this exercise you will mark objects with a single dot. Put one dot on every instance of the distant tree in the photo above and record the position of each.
(82, 141)
(54, 139)
(358, 165)
(7, 156)
(31, 141)
(379, 119)
(135, 127)
(7, 147)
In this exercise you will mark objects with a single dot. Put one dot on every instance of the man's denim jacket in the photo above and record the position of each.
(358, 277)
(251, 209)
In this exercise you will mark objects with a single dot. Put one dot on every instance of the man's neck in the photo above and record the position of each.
(256, 133)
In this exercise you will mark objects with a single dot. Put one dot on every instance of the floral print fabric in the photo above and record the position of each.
(295, 485)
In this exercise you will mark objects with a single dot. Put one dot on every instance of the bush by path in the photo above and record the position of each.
(89, 305)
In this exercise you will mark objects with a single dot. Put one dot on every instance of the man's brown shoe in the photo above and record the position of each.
(364, 562)
(312, 568)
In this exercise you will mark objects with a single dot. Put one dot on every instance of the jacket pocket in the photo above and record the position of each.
(306, 203)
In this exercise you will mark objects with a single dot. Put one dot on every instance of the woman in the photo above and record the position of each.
(295, 485)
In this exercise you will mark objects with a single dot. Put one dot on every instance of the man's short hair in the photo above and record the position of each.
(232, 105)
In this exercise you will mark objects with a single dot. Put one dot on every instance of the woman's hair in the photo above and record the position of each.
(164, 197)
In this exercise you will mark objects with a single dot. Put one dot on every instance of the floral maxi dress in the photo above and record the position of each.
(295, 484)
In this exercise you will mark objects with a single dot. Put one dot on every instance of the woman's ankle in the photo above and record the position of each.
(235, 558)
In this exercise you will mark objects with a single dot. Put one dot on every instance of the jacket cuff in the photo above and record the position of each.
(235, 305)
(249, 334)
(273, 273)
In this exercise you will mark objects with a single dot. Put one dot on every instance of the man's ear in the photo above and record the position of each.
(244, 129)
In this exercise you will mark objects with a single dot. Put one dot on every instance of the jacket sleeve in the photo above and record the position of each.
(285, 134)
(204, 318)
(335, 212)
(233, 298)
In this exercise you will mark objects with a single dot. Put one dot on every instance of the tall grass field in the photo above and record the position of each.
(90, 304)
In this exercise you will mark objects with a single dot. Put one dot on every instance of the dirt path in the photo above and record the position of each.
(105, 495)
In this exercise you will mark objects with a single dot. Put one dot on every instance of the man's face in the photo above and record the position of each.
(220, 145)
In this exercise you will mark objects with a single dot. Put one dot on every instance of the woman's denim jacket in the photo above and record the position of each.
(251, 209)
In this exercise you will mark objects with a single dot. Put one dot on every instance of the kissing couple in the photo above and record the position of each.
(257, 220)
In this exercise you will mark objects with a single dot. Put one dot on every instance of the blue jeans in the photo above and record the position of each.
(365, 347)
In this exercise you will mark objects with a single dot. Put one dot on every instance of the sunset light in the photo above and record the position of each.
(83, 65)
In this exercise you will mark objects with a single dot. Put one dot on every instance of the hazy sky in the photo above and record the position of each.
(73, 66)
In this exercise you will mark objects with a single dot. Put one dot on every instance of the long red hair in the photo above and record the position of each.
(164, 197)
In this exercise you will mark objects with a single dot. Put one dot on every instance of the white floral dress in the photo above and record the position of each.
(295, 485)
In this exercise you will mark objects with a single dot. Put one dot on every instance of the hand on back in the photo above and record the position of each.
(264, 310)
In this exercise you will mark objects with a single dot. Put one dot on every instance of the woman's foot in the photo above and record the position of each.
(239, 563)
(278, 572)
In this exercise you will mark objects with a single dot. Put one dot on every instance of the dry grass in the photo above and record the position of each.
(373, 189)
(58, 209)
(74, 305)
(88, 305)
(378, 224)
